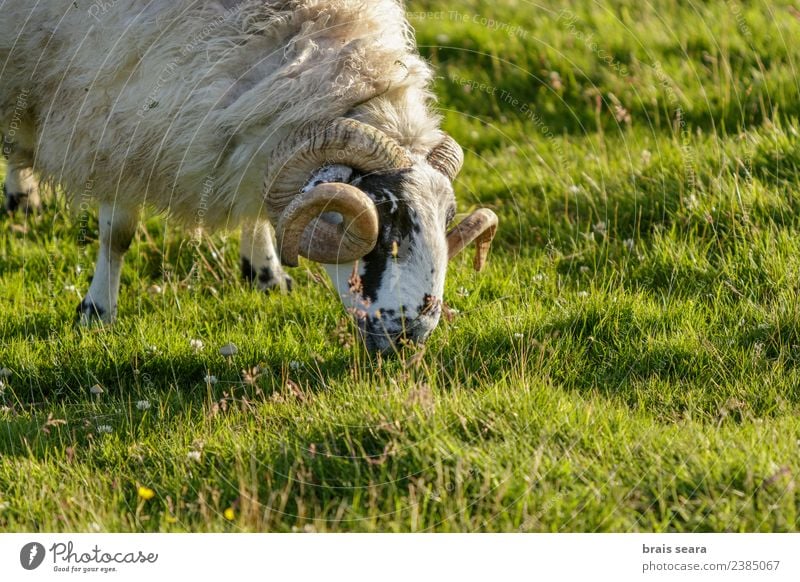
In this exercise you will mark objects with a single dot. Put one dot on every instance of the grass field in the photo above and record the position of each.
(630, 360)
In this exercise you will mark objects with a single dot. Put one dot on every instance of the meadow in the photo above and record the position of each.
(629, 360)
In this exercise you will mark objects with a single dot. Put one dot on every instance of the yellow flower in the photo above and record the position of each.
(146, 493)
(229, 514)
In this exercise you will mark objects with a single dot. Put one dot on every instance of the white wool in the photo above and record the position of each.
(178, 104)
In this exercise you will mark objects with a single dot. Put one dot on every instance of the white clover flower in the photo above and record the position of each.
(229, 350)
(194, 456)
(105, 429)
(196, 344)
(209, 379)
(143, 405)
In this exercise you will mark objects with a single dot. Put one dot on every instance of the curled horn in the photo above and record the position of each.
(480, 227)
(447, 157)
(342, 141)
(304, 230)
(301, 224)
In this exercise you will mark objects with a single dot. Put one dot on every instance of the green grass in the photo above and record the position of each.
(630, 360)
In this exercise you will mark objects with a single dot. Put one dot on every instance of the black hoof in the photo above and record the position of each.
(89, 313)
(19, 200)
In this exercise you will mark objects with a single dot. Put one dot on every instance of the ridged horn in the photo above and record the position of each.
(304, 231)
(342, 141)
(447, 157)
(480, 227)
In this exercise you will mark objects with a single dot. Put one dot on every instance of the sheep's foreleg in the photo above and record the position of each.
(117, 227)
(260, 261)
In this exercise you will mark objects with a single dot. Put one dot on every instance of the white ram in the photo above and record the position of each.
(313, 116)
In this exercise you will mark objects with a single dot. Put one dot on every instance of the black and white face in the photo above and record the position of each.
(395, 292)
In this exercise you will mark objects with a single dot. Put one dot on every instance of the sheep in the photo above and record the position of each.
(306, 120)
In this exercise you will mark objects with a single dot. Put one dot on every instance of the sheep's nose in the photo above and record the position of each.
(378, 338)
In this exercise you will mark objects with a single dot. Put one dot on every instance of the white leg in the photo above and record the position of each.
(117, 227)
(260, 261)
(21, 190)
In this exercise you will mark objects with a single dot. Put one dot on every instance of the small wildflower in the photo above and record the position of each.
(574, 189)
(519, 335)
(555, 81)
(462, 292)
(209, 379)
(251, 376)
(628, 244)
(621, 114)
(194, 456)
(143, 405)
(196, 345)
(105, 429)
(294, 365)
(51, 423)
(96, 389)
(584, 269)
(5, 373)
(146, 493)
(229, 514)
(229, 350)
(152, 350)
(70, 288)
(646, 156)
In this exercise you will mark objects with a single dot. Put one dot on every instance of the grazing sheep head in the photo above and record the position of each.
(377, 218)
